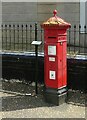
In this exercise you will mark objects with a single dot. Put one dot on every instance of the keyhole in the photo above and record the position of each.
(52, 75)
(61, 43)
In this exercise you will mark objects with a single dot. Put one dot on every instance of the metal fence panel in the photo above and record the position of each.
(19, 38)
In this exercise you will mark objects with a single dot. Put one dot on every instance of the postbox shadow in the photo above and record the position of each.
(17, 96)
(19, 102)
(12, 103)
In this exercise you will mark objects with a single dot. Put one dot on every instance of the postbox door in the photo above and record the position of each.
(50, 65)
(64, 64)
(55, 64)
(61, 63)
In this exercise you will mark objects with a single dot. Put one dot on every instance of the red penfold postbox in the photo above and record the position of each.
(55, 64)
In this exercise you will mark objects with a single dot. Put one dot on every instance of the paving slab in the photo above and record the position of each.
(21, 102)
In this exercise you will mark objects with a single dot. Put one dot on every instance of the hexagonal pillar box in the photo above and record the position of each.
(55, 64)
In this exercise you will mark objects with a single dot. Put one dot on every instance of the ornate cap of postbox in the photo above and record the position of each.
(55, 21)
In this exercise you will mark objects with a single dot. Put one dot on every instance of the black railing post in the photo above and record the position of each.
(10, 37)
(74, 37)
(69, 38)
(30, 36)
(14, 35)
(36, 61)
(41, 39)
(26, 37)
(22, 37)
(85, 44)
(2, 37)
(18, 35)
(79, 36)
(6, 35)
(35, 31)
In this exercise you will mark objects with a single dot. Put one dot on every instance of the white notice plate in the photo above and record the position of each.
(52, 75)
(52, 59)
(51, 50)
(36, 42)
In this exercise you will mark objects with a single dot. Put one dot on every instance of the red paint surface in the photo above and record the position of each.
(55, 35)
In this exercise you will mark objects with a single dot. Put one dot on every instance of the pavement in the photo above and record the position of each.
(18, 100)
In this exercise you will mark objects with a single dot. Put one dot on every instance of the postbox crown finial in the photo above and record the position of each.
(55, 12)
(56, 21)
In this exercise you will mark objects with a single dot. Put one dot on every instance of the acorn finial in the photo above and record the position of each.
(55, 12)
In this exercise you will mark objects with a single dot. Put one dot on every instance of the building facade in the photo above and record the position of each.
(27, 12)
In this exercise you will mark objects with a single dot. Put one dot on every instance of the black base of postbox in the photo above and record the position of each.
(55, 96)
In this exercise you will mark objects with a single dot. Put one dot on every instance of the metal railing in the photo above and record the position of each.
(77, 39)
(19, 38)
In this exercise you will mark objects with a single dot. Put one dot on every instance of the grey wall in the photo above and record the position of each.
(0, 12)
(0, 26)
(19, 12)
(67, 11)
(26, 12)
(86, 12)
